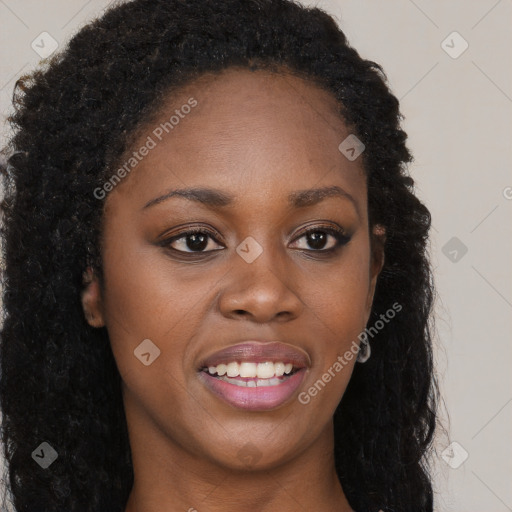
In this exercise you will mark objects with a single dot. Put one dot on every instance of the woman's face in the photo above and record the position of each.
(268, 190)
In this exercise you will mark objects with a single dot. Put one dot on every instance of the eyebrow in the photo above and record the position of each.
(218, 199)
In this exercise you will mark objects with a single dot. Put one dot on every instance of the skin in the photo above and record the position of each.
(258, 136)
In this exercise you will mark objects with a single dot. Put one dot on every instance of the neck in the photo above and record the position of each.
(169, 477)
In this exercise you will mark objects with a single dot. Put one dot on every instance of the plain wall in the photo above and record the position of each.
(458, 117)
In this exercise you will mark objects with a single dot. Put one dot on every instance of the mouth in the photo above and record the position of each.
(251, 374)
(255, 376)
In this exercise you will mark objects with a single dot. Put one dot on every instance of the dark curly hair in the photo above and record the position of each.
(74, 118)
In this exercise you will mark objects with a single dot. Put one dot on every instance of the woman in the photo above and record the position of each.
(217, 291)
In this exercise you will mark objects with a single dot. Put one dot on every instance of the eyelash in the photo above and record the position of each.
(339, 235)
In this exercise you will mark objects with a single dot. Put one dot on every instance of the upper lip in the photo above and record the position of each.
(259, 352)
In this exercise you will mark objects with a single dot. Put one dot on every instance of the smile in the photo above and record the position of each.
(253, 386)
(251, 374)
(255, 376)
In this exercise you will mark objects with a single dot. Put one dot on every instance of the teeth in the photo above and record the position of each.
(274, 381)
(265, 370)
(279, 368)
(233, 370)
(248, 370)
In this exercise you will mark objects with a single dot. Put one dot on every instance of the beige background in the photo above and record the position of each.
(458, 117)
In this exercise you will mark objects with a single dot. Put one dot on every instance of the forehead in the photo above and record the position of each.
(246, 129)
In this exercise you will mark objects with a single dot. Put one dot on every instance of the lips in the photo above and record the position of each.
(254, 398)
(258, 352)
(255, 393)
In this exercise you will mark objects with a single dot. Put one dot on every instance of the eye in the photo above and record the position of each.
(318, 238)
(193, 240)
(201, 240)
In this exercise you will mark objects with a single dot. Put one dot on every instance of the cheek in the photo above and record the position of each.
(338, 297)
(147, 299)
(338, 312)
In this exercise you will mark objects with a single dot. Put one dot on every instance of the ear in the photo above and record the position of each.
(377, 243)
(92, 300)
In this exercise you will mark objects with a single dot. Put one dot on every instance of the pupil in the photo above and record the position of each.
(197, 242)
(316, 239)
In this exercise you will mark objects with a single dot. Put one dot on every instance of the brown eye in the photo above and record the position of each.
(192, 241)
(318, 238)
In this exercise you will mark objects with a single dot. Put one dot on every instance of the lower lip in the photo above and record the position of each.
(254, 399)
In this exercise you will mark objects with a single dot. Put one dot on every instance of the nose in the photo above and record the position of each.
(262, 291)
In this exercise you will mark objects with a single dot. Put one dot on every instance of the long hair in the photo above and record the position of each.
(73, 119)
